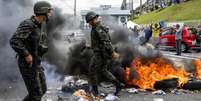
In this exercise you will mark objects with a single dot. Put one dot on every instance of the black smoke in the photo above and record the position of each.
(10, 17)
(79, 57)
(128, 49)
(54, 26)
(58, 27)
(12, 12)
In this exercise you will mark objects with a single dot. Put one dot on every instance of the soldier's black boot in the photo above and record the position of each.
(119, 86)
(94, 93)
(95, 90)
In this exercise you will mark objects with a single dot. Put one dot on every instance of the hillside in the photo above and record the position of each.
(181, 12)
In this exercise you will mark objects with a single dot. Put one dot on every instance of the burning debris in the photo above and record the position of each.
(169, 84)
(192, 85)
(81, 95)
(166, 84)
(145, 72)
(197, 64)
(160, 74)
(153, 70)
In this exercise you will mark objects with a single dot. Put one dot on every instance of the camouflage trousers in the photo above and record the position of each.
(100, 69)
(34, 80)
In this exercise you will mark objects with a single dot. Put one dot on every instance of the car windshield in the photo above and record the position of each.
(167, 32)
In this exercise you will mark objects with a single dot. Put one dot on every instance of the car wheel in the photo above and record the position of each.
(184, 47)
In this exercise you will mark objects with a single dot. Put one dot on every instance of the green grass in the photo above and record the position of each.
(183, 12)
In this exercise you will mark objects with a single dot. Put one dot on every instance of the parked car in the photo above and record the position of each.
(189, 39)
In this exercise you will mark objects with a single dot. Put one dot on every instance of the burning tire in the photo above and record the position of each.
(166, 84)
(192, 85)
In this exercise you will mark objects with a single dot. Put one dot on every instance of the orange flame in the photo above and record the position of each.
(197, 64)
(82, 94)
(154, 70)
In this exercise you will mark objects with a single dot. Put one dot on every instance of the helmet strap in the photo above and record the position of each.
(47, 18)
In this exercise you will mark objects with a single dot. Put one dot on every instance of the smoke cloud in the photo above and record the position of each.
(125, 42)
(65, 57)
(12, 12)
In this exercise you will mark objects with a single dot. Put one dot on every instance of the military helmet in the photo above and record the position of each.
(90, 16)
(42, 8)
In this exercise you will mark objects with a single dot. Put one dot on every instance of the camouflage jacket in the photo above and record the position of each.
(101, 41)
(29, 38)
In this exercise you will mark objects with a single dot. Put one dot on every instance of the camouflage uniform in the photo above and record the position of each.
(30, 38)
(101, 61)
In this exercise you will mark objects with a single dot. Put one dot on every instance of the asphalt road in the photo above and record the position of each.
(185, 59)
(15, 90)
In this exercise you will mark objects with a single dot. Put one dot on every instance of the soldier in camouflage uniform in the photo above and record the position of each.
(100, 65)
(30, 44)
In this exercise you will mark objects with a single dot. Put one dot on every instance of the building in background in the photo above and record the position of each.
(109, 14)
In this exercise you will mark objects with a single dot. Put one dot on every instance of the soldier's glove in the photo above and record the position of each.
(85, 47)
(115, 56)
(29, 59)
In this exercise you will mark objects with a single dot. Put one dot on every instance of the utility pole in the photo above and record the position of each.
(75, 17)
(141, 6)
(131, 5)
(75, 4)
(124, 5)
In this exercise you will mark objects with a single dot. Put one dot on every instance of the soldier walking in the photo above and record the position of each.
(30, 43)
(100, 64)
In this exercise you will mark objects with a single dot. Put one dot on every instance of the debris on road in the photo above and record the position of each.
(132, 90)
(71, 84)
(107, 88)
(111, 97)
(159, 92)
(81, 95)
(81, 82)
(48, 100)
(158, 99)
